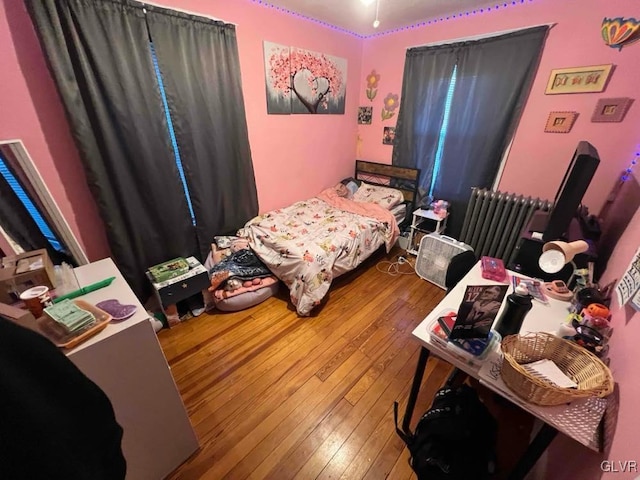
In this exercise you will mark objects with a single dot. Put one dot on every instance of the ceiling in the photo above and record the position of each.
(354, 16)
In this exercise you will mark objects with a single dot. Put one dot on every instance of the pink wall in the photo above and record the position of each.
(30, 110)
(537, 160)
(625, 355)
(567, 459)
(294, 156)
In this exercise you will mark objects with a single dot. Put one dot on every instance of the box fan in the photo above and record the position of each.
(435, 254)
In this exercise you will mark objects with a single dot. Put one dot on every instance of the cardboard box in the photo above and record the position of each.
(21, 317)
(23, 271)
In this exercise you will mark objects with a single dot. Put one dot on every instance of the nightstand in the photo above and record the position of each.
(424, 221)
(174, 290)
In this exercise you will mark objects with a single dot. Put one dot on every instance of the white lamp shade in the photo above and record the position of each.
(556, 255)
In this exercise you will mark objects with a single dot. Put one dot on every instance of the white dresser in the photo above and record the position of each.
(126, 361)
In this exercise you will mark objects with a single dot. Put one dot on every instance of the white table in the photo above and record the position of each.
(579, 420)
(126, 361)
(419, 217)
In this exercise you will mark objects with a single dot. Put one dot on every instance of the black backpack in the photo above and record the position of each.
(454, 440)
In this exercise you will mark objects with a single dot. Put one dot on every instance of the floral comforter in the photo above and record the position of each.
(309, 243)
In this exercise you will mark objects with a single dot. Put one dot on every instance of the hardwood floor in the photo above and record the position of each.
(272, 395)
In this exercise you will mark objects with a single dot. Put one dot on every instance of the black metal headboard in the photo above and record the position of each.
(404, 179)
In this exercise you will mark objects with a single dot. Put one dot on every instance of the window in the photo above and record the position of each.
(192, 176)
(460, 107)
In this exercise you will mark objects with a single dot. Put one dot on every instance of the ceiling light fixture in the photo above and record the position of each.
(376, 22)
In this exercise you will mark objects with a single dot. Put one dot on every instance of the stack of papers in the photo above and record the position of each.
(548, 371)
(70, 316)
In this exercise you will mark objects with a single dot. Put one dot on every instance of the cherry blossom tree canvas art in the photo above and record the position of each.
(301, 81)
(276, 59)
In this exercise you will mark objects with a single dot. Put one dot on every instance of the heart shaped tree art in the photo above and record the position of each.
(315, 79)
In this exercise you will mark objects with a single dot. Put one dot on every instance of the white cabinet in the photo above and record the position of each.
(424, 221)
(125, 360)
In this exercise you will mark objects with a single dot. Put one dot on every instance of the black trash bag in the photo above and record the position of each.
(454, 440)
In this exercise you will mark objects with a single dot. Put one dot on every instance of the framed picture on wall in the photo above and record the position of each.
(364, 115)
(388, 135)
(560, 122)
(579, 79)
(611, 109)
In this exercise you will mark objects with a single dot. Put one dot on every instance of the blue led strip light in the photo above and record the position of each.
(28, 204)
(172, 133)
(479, 11)
(634, 162)
(443, 130)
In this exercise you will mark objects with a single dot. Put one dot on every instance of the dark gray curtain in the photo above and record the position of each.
(492, 84)
(198, 59)
(427, 74)
(493, 79)
(98, 52)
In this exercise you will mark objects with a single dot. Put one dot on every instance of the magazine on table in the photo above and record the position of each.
(478, 310)
(534, 287)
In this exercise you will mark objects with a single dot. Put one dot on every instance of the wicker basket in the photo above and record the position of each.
(592, 376)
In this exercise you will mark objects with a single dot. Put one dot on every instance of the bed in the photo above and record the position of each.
(309, 243)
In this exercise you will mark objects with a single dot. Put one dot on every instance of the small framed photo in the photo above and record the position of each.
(560, 122)
(388, 135)
(611, 109)
(364, 115)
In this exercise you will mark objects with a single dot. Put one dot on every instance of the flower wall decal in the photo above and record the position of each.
(372, 84)
(391, 103)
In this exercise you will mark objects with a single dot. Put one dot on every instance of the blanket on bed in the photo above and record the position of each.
(309, 243)
(242, 264)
